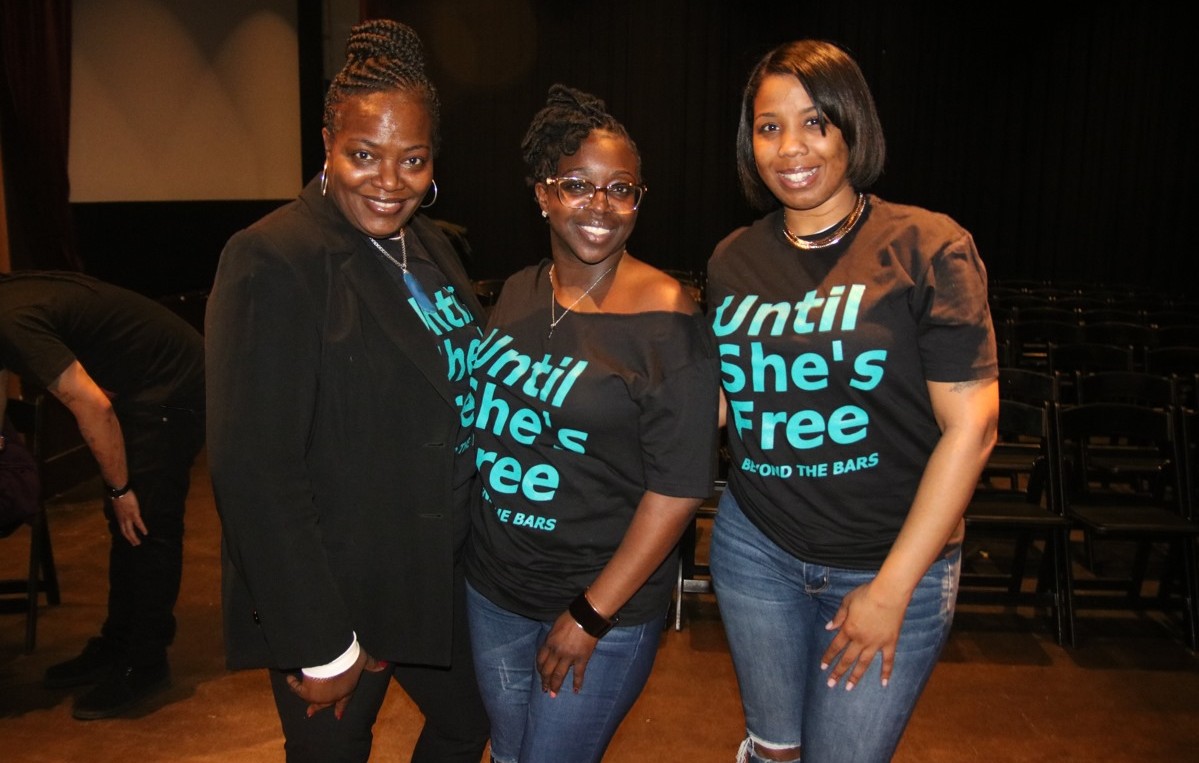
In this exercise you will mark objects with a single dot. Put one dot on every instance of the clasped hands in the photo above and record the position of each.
(334, 691)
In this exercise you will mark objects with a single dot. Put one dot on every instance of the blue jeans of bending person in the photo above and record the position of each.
(527, 724)
(774, 608)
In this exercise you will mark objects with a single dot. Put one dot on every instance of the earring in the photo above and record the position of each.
(325, 178)
(545, 214)
(434, 201)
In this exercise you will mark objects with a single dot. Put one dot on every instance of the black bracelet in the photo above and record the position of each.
(595, 624)
(119, 492)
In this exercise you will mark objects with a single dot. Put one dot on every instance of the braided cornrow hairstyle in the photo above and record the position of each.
(382, 55)
(561, 126)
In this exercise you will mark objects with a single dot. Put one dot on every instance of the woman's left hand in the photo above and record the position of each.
(335, 691)
(866, 625)
(567, 646)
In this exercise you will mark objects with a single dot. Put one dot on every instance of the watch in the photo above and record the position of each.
(119, 492)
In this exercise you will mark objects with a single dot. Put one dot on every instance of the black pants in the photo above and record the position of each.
(143, 581)
(456, 726)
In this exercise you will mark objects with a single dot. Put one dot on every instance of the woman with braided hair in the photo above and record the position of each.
(336, 332)
(596, 391)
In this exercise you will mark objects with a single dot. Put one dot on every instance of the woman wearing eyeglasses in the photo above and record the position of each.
(595, 390)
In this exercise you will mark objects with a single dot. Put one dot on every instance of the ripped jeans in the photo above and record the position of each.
(774, 608)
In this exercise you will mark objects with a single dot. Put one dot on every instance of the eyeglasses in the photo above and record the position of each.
(577, 193)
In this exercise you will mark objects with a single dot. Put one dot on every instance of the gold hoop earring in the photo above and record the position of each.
(325, 178)
(434, 201)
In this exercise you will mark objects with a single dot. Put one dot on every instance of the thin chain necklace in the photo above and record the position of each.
(832, 238)
(402, 264)
(555, 319)
(414, 287)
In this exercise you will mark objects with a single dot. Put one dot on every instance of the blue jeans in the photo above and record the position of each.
(774, 608)
(527, 725)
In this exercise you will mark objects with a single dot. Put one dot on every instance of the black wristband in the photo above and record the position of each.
(118, 492)
(592, 622)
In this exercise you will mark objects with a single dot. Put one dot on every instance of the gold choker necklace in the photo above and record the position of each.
(832, 238)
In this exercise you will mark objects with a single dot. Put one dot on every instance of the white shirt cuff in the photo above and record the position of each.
(338, 666)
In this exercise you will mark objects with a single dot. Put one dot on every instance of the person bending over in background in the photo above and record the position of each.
(131, 372)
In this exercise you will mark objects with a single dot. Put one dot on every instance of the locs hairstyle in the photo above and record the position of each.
(383, 55)
(561, 126)
(837, 88)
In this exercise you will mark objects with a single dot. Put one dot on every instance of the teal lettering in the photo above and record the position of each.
(864, 365)
(539, 482)
(848, 424)
(732, 376)
(572, 440)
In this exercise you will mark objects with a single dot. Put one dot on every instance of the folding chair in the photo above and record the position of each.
(1149, 510)
(23, 594)
(1019, 499)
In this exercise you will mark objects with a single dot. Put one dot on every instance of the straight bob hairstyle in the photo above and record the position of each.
(841, 96)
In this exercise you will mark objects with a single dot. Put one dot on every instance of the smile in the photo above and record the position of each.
(797, 176)
(595, 231)
(384, 206)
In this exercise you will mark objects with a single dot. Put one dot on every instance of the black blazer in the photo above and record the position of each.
(330, 444)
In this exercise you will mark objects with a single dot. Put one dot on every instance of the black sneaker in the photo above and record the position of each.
(123, 688)
(90, 667)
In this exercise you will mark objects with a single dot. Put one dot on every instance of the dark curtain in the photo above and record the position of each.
(35, 115)
(1060, 135)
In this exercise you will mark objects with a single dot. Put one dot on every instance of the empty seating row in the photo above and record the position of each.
(1114, 468)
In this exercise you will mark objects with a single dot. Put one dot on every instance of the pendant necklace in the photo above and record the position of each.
(555, 319)
(414, 287)
(832, 238)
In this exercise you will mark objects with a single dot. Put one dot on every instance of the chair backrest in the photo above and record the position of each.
(1082, 302)
(26, 416)
(1176, 335)
(1172, 360)
(1162, 318)
(1086, 429)
(1027, 385)
(1106, 314)
(488, 290)
(1072, 357)
(1189, 427)
(52, 436)
(1032, 338)
(1047, 313)
(1118, 332)
(1136, 387)
(20, 483)
(1027, 445)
